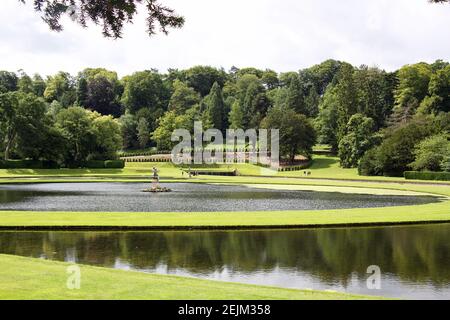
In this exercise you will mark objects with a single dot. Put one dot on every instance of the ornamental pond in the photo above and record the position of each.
(186, 197)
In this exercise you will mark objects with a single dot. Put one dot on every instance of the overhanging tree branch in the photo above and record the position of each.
(111, 15)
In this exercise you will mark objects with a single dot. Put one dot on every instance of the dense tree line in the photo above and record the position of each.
(383, 122)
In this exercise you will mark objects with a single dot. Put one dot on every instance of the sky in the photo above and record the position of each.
(283, 35)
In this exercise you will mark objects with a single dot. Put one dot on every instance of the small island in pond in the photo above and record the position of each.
(157, 189)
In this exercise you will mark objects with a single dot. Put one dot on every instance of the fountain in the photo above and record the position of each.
(156, 188)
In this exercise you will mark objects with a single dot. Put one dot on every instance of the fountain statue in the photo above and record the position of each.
(156, 188)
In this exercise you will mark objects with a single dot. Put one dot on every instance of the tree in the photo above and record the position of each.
(145, 90)
(202, 78)
(129, 131)
(321, 75)
(99, 90)
(54, 108)
(111, 15)
(25, 84)
(295, 96)
(23, 123)
(346, 98)
(253, 101)
(236, 116)
(151, 116)
(312, 101)
(8, 81)
(82, 92)
(297, 134)
(39, 85)
(327, 120)
(213, 115)
(413, 83)
(395, 154)
(445, 164)
(108, 137)
(249, 106)
(431, 152)
(75, 125)
(358, 139)
(438, 99)
(61, 88)
(270, 79)
(286, 78)
(35, 85)
(143, 132)
(32, 126)
(374, 94)
(170, 122)
(183, 97)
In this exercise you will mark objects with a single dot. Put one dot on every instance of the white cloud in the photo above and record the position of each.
(282, 35)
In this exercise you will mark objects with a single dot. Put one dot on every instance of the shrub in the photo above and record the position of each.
(95, 164)
(427, 175)
(430, 153)
(395, 154)
(370, 165)
(114, 164)
(445, 164)
(21, 164)
(49, 164)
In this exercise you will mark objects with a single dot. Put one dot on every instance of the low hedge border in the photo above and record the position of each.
(28, 164)
(427, 175)
(40, 164)
(108, 164)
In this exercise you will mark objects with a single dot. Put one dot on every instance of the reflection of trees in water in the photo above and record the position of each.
(413, 253)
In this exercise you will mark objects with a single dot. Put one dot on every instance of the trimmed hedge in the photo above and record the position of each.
(114, 164)
(94, 164)
(427, 175)
(28, 164)
(39, 164)
(108, 164)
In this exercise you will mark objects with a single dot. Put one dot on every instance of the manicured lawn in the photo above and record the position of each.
(26, 278)
(438, 212)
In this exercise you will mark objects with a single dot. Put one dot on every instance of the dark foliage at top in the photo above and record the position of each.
(110, 14)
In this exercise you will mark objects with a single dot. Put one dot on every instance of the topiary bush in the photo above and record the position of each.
(94, 164)
(114, 164)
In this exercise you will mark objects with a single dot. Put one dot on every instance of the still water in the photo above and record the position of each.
(186, 197)
(414, 260)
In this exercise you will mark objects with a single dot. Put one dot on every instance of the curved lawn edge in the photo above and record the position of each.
(387, 216)
(28, 278)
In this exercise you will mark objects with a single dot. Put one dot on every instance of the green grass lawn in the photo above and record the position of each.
(26, 278)
(437, 212)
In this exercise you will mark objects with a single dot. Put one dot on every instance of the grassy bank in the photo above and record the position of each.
(25, 278)
(438, 212)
